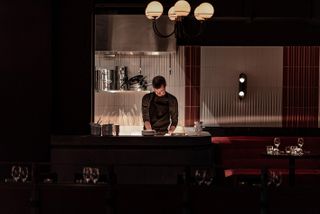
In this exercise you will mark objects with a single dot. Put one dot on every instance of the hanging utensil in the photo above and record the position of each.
(170, 71)
(140, 65)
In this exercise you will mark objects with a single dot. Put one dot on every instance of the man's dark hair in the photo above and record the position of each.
(158, 81)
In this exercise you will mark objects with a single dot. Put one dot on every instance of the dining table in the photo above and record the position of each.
(282, 155)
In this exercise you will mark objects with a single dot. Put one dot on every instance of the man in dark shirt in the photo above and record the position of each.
(160, 108)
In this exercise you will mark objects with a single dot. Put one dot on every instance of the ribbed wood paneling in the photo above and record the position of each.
(222, 107)
(300, 86)
(125, 108)
(192, 89)
(219, 101)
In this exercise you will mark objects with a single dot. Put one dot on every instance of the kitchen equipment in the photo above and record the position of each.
(137, 83)
(107, 129)
(178, 134)
(105, 79)
(95, 129)
(98, 79)
(148, 132)
(117, 129)
(131, 34)
(122, 77)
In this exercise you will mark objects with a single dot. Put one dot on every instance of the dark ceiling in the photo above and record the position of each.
(230, 8)
(242, 22)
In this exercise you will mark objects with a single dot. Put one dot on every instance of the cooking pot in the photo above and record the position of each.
(107, 130)
(137, 82)
(136, 79)
(95, 129)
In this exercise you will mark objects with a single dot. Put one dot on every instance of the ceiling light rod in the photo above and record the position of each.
(176, 13)
(157, 32)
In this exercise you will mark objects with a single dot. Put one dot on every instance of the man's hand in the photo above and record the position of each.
(147, 125)
(171, 129)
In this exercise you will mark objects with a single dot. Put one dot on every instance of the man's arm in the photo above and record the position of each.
(145, 111)
(173, 108)
(147, 125)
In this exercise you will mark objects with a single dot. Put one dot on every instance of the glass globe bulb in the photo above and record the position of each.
(154, 10)
(172, 14)
(197, 15)
(204, 10)
(242, 79)
(182, 8)
(241, 93)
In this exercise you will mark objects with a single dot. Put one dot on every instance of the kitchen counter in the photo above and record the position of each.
(130, 141)
(136, 159)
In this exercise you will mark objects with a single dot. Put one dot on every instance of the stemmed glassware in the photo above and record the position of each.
(203, 177)
(15, 173)
(275, 178)
(276, 142)
(24, 173)
(19, 173)
(90, 174)
(300, 144)
(200, 176)
(86, 173)
(95, 173)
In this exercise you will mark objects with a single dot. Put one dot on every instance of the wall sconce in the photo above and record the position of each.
(242, 85)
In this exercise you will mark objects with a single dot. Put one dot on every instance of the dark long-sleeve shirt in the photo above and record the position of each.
(160, 111)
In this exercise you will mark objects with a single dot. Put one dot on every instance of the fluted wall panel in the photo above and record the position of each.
(221, 107)
(301, 86)
(192, 90)
(219, 101)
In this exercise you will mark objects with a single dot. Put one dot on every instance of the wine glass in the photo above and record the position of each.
(15, 173)
(300, 142)
(274, 178)
(200, 176)
(24, 173)
(276, 142)
(197, 177)
(277, 180)
(95, 175)
(86, 174)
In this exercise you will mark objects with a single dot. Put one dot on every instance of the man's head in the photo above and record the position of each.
(159, 85)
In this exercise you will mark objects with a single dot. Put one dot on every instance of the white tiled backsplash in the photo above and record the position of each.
(125, 108)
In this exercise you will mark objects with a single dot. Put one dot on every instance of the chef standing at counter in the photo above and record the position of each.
(160, 108)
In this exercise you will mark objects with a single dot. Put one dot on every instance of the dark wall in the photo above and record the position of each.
(72, 64)
(45, 74)
(25, 82)
(242, 22)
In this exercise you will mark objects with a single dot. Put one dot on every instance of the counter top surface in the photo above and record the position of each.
(130, 140)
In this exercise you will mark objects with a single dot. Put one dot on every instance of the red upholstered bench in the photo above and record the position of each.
(242, 155)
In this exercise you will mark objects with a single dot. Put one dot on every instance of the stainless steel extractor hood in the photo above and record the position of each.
(132, 34)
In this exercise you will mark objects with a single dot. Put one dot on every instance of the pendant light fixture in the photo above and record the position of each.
(176, 13)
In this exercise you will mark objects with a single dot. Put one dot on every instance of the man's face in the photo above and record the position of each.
(160, 91)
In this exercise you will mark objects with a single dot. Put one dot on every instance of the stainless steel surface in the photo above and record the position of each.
(117, 129)
(132, 34)
(107, 130)
(122, 77)
(148, 132)
(105, 79)
(95, 129)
